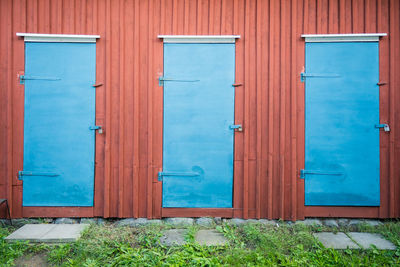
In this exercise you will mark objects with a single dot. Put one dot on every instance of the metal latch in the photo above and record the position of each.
(191, 174)
(30, 173)
(22, 78)
(162, 79)
(304, 172)
(96, 127)
(236, 127)
(303, 75)
(385, 127)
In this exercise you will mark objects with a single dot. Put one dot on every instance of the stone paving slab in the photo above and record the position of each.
(365, 240)
(336, 241)
(173, 237)
(210, 238)
(47, 233)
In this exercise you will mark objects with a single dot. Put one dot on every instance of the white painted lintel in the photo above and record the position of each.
(213, 39)
(350, 37)
(58, 38)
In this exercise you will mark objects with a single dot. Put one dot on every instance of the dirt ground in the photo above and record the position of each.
(38, 260)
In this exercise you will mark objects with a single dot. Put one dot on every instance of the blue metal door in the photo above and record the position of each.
(59, 111)
(341, 115)
(198, 119)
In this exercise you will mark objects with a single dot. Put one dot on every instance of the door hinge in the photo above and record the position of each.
(97, 127)
(236, 127)
(385, 127)
(304, 172)
(162, 79)
(30, 173)
(304, 75)
(22, 78)
(162, 174)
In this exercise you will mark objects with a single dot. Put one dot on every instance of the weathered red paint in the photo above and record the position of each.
(270, 102)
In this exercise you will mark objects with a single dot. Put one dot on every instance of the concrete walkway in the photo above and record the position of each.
(56, 233)
(47, 233)
(176, 237)
(353, 240)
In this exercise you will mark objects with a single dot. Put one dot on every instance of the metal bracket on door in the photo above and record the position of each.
(236, 127)
(385, 127)
(22, 78)
(304, 172)
(162, 79)
(29, 173)
(303, 75)
(96, 127)
(191, 174)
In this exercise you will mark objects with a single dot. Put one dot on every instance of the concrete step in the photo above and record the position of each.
(47, 233)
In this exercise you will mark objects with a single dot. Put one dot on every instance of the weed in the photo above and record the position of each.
(249, 245)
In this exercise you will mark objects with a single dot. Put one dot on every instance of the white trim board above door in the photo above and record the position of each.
(347, 37)
(58, 38)
(198, 39)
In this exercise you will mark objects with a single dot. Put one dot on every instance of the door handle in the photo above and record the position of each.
(97, 127)
(385, 127)
(236, 127)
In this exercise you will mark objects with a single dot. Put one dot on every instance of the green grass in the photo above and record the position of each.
(249, 245)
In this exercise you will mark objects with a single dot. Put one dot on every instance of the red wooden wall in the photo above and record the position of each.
(270, 104)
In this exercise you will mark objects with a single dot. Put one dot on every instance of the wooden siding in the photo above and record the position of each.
(270, 104)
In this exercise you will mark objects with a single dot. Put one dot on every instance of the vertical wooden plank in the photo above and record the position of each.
(143, 111)
(259, 70)
(115, 83)
(55, 17)
(252, 105)
(282, 112)
(333, 13)
(293, 111)
(6, 141)
(205, 9)
(358, 16)
(370, 16)
(310, 16)
(150, 107)
(44, 16)
(192, 20)
(384, 61)
(322, 16)
(285, 141)
(238, 28)
(396, 69)
(345, 16)
(211, 18)
(136, 108)
(105, 9)
(32, 16)
(122, 125)
(100, 170)
(227, 17)
(247, 123)
(264, 138)
(157, 111)
(393, 74)
(89, 17)
(275, 116)
(271, 73)
(217, 17)
(68, 17)
(186, 17)
(300, 51)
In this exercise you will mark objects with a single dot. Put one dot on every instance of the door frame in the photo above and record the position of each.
(340, 211)
(16, 201)
(200, 212)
